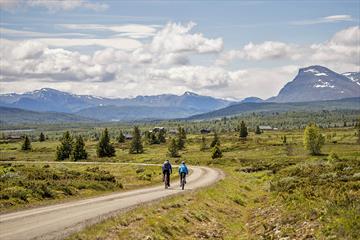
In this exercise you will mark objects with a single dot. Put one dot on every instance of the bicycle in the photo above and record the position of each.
(166, 181)
(182, 181)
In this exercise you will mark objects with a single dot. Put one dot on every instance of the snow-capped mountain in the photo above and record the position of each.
(47, 99)
(319, 83)
(353, 76)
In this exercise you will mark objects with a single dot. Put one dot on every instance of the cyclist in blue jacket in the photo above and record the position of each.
(183, 171)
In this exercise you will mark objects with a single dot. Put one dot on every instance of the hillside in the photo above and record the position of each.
(134, 113)
(236, 109)
(13, 116)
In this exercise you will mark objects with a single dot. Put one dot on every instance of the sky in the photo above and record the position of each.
(225, 49)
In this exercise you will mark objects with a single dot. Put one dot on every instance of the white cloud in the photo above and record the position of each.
(163, 64)
(177, 38)
(118, 43)
(28, 49)
(125, 30)
(266, 50)
(23, 33)
(53, 5)
(341, 51)
(327, 19)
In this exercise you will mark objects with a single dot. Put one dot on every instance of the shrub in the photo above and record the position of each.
(332, 157)
(313, 139)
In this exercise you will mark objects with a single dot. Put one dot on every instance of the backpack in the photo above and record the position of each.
(167, 166)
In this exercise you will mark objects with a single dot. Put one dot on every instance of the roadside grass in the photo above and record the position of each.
(212, 213)
(29, 185)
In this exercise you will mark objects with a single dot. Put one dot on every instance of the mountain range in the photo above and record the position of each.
(314, 83)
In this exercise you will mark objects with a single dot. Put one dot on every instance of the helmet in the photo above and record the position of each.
(182, 162)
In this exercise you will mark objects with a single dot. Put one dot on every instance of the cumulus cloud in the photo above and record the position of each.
(177, 38)
(58, 5)
(163, 64)
(262, 51)
(341, 51)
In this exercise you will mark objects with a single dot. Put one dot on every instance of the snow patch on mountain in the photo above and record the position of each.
(312, 70)
(323, 84)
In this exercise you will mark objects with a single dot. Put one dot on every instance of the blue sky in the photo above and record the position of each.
(229, 49)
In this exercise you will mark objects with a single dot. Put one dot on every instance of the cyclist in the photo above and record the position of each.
(183, 171)
(167, 170)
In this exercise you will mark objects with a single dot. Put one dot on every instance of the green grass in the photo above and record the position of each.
(28, 185)
(271, 189)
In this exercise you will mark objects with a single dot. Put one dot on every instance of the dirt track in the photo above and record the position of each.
(58, 221)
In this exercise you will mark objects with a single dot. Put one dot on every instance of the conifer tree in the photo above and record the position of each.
(136, 144)
(105, 148)
(42, 137)
(215, 141)
(64, 150)
(216, 152)
(258, 130)
(181, 138)
(153, 139)
(173, 148)
(26, 146)
(78, 151)
(243, 130)
(121, 137)
(203, 144)
(161, 136)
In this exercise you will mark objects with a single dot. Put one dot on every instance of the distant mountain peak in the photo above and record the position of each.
(316, 83)
(252, 100)
(188, 93)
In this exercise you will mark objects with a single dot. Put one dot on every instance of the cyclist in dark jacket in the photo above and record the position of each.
(167, 170)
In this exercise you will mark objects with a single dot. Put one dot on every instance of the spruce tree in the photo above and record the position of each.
(216, 152)
(136, 144)
(26, 146)
(105, 148)
(181, 136)
(121, 137)
(42, 137)
(215, 141)
(64, 150)
(203, 144)
(78, 151)
(153, 139)
(313, 139)
(243, 130)
(173, 148)
(258, 130)
(161, 136)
